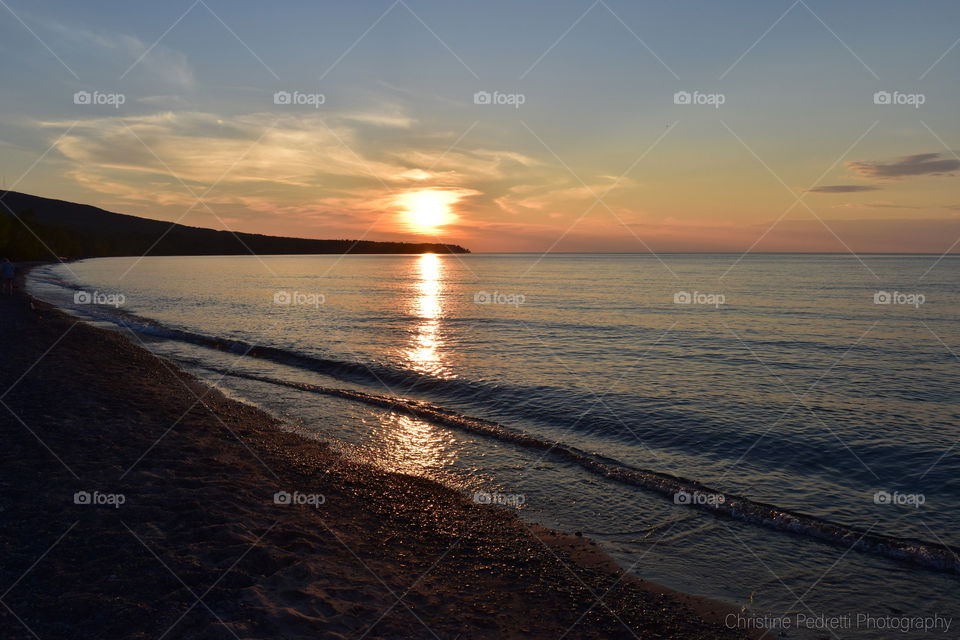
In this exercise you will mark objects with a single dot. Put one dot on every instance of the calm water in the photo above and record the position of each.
(782, 383)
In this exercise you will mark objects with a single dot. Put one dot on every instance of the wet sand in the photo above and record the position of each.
(182, 537)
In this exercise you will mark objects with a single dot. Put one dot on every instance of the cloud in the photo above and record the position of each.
(843, 188)
(157, 65)
(330, 174)
(920, 164)
(866, 206)
(292, 151)
(395, 120)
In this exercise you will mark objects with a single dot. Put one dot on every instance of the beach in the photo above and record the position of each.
(139, 503)
(479, 320)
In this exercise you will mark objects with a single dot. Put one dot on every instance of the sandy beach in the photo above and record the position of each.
(139, 503)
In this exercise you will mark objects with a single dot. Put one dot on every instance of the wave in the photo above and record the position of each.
(619, 417)
(693, 493)
(689, 493)
(616, 417)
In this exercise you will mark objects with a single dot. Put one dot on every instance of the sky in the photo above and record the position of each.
(600, 125)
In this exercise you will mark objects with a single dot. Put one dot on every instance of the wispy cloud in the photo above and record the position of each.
(163, 66)
(843, 188)
(310, 173)
(920, 164)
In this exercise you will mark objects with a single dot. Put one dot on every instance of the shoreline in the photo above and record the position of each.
(90, 411)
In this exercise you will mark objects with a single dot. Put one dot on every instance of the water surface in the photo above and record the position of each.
(783, 382)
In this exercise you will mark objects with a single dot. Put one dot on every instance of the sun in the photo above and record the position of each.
(426, 210)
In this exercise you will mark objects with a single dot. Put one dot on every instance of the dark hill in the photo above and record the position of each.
(84, 231)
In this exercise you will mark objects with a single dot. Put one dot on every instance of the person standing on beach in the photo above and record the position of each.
(6, 274)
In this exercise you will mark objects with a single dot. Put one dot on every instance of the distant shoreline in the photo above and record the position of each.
(45, 228)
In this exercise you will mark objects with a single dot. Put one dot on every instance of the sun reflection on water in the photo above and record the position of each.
(426, 353)
(400, 442)
(404, 443)
(414, 446)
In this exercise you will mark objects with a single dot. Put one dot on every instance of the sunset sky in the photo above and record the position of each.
(797, 157)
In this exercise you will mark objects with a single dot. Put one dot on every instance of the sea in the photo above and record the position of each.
(777, 431)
